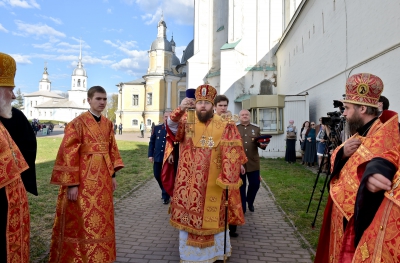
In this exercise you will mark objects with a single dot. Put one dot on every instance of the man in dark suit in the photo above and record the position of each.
(156, 154)
(251, 169)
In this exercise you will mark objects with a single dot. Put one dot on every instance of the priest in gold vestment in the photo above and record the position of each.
(14, 210)
(85, 169)
(362, 213)
(210, 156)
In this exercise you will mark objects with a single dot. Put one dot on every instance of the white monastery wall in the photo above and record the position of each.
(331, 40)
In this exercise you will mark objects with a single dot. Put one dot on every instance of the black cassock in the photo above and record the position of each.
(22, 133)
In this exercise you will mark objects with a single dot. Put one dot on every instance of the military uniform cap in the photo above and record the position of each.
(363, 89)
(8, 68)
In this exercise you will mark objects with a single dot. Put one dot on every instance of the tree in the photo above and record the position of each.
(19, 101)
(112, 107)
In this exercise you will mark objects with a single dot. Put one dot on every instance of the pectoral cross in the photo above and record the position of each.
(203, 141)
(210, 142)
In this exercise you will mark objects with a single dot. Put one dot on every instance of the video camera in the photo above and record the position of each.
(334, 118)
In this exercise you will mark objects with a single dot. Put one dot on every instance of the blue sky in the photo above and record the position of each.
(115, 35)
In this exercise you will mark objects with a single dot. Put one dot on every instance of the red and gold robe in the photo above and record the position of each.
(335, 243)
(12, 164)
(84, 230)
(204, 173)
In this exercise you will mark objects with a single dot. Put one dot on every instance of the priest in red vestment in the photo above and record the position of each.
(363, 205)
(85, 169)
(210, 156)
(14, 211)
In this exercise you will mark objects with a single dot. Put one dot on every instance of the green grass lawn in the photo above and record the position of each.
(292, 185)
(137, 170)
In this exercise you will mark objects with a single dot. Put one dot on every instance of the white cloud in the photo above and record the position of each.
(179, 51)
(55, 20)
(23, 4)
(109, 11)
(2, 28)
(38, 30)
(21, 59)
(181, 11)
(123, 46)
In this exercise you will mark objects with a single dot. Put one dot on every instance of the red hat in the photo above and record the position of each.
(206, 92)
(363, 89)
(264, 138)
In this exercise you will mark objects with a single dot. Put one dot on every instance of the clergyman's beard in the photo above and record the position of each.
(5, 107)
(204, 116)
(353, 124)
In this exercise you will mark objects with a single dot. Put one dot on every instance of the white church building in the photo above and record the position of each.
(288, 59)
(47, 105)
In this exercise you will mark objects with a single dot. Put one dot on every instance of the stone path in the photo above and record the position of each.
(145, 236)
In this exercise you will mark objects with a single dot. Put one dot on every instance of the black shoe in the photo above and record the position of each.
(165, 201)
(251, 208)
(233, 234)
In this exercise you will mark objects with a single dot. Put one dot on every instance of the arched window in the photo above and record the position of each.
(79, 83)
(84, 100)
(148, 122)
(266, 87)
(134, 122)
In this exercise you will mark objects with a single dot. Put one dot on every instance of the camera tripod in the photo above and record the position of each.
(326, 162)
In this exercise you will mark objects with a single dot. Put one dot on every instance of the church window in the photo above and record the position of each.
(135, 100)
(44, 113)
(84, 83)
(31, 103)
(51, 114)
(35, 102)
(48, 87)
(79, 83)
(30, 113)
(73, 83)
(182, 95)
(76, 114)
(148, 123)
(84, 100)
(150, 99)
(40, 113)
(266, 87)
(134, 122)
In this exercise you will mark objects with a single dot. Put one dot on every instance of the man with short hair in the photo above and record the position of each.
(14, 210)
(221, 104)
(85, 168)
(362, 208)
(251, 169)
(383, 103)
(156, 154)
(207, 144)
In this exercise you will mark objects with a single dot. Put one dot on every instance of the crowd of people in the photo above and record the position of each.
(203, 158)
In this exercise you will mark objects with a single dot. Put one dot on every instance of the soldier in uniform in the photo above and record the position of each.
(156, 154)
(251, 169)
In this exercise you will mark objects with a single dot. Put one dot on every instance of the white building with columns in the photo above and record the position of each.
(47, 105)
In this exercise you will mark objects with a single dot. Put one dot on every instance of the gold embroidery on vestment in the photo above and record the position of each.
(364, 251)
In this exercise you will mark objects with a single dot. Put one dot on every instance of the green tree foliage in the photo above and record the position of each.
(19, 101)
(112, 107)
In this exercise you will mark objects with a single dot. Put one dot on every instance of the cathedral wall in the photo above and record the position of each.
(331, 40)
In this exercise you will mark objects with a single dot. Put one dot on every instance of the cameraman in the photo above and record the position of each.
(362, 172)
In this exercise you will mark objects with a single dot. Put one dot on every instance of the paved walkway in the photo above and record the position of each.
(145, 236)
